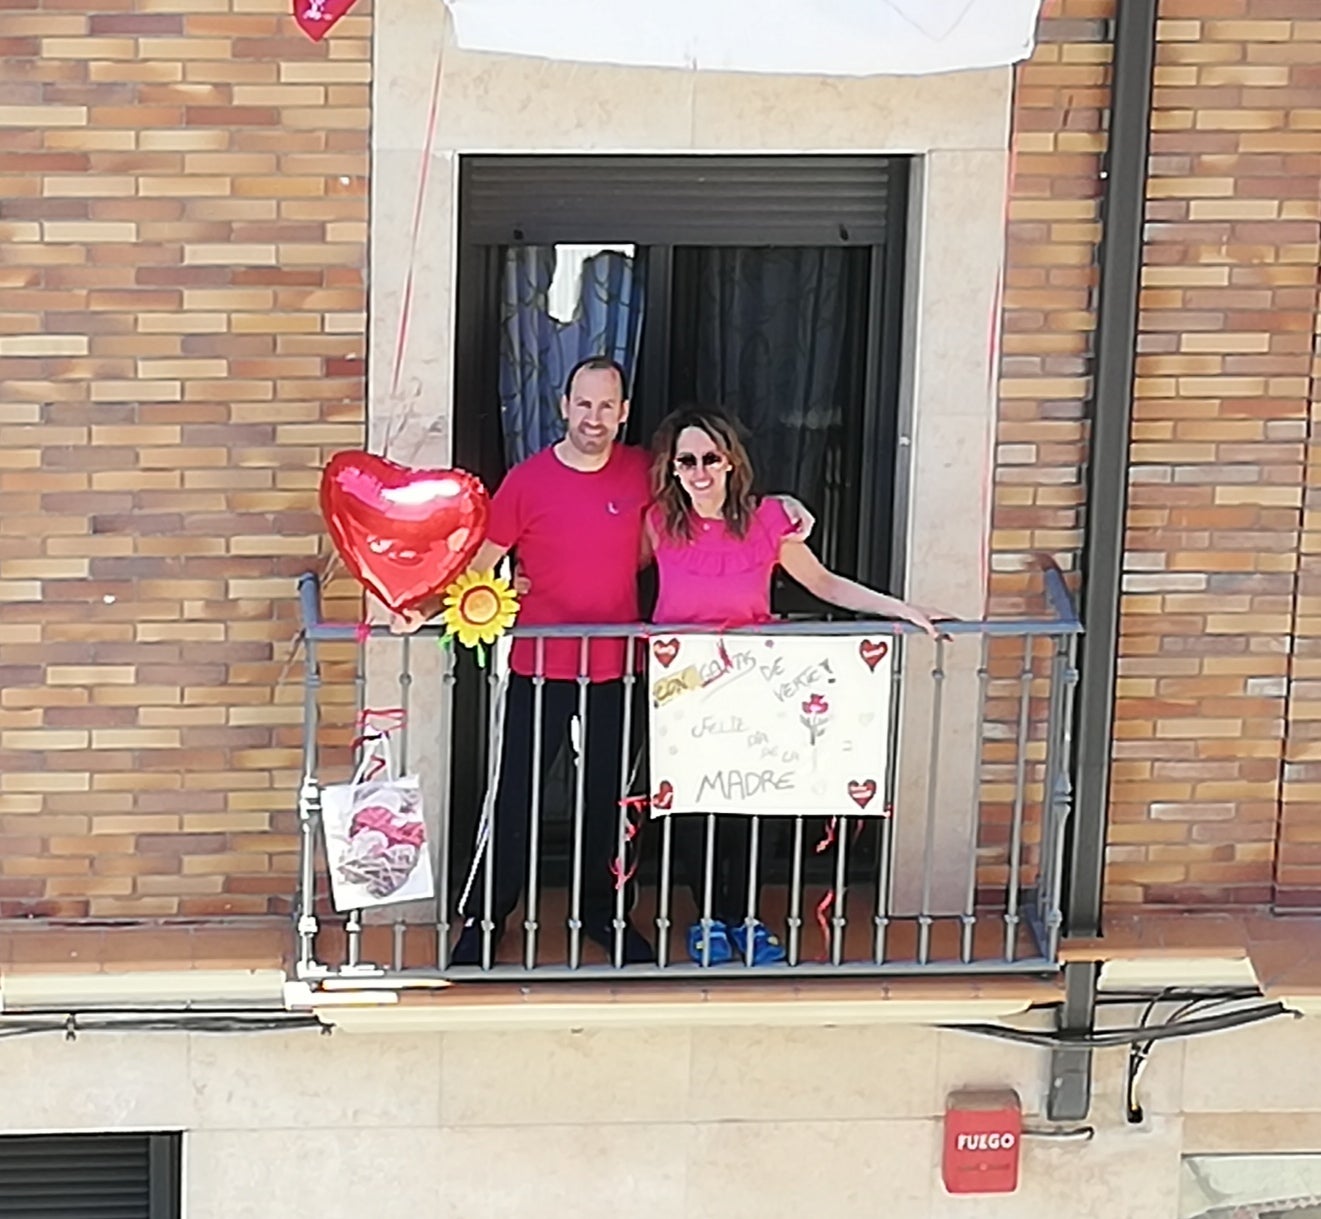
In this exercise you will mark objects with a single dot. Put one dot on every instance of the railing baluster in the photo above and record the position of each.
(754, 850)
(353, 919)
(708, 885)
(1013, 883)
(621, 811)
(838, 919)
(1060, 796)
(490, 809)
(579, 807)
(795, 919)
(445, 821)
(933, 776)
(969, 919)
(406, 705)
(885, 862)
(532, 904)
(309, 809)
(663, 920)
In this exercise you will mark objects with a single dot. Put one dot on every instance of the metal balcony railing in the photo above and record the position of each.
(961, 872)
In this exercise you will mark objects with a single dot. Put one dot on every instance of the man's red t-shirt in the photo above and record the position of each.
(578, 537)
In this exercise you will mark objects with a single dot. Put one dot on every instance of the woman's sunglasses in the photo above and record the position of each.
(688, 461)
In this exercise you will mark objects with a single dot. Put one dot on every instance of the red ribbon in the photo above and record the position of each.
(823, 906)
(369, 730)
(622, 871)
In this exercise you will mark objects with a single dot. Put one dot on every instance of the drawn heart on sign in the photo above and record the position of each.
(664, 796)
(862, 793)
(665, 650)
(873, 652)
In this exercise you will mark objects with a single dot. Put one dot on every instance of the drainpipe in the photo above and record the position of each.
(1109, 413)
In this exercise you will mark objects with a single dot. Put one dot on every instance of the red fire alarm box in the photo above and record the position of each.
(983, 1138)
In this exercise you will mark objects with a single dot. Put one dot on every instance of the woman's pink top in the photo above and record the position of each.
(718, 578)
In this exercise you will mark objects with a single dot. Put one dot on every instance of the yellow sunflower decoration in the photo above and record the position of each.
(479, 608)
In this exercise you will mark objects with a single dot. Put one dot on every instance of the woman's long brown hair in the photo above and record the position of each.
(675, 507)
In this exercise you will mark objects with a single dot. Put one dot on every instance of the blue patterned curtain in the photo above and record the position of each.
(537, 348)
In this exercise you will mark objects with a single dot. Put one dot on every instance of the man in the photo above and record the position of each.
(573, 513)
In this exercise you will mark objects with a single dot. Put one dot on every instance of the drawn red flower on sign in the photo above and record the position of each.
(815, 713)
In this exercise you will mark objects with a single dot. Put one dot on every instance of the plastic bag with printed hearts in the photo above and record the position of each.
(376, 838)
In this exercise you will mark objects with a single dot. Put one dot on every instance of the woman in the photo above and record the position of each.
(716, 547)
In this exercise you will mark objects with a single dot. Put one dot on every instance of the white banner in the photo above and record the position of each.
(784, 725)
(812, 37)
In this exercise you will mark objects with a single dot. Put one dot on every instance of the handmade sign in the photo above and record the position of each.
(785, 725)
(404, 533)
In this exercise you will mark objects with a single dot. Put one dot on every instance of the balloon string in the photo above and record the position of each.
(424, 174)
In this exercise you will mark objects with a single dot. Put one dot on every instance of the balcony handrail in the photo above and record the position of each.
(1062, 622)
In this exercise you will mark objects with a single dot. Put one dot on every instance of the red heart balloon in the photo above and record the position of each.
(404, 533)
(316, 18)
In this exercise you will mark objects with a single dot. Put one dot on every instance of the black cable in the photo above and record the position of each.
(73, 1023)
(1108, 1038)
(1140, 1052)
(1176, 994)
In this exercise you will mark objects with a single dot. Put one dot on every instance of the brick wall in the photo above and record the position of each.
(1217, 760)
(1060, 101)
(1061, 96)
(182, 255)
(1219, 447)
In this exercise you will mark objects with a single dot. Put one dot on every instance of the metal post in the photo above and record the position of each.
(1110, 411)
(1070, 1094)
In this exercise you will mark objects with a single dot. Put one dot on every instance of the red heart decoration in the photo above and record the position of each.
(405, 534)
(665, 650)
(316, 18)
(664, 796)
(873, 652)
(863, 793)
